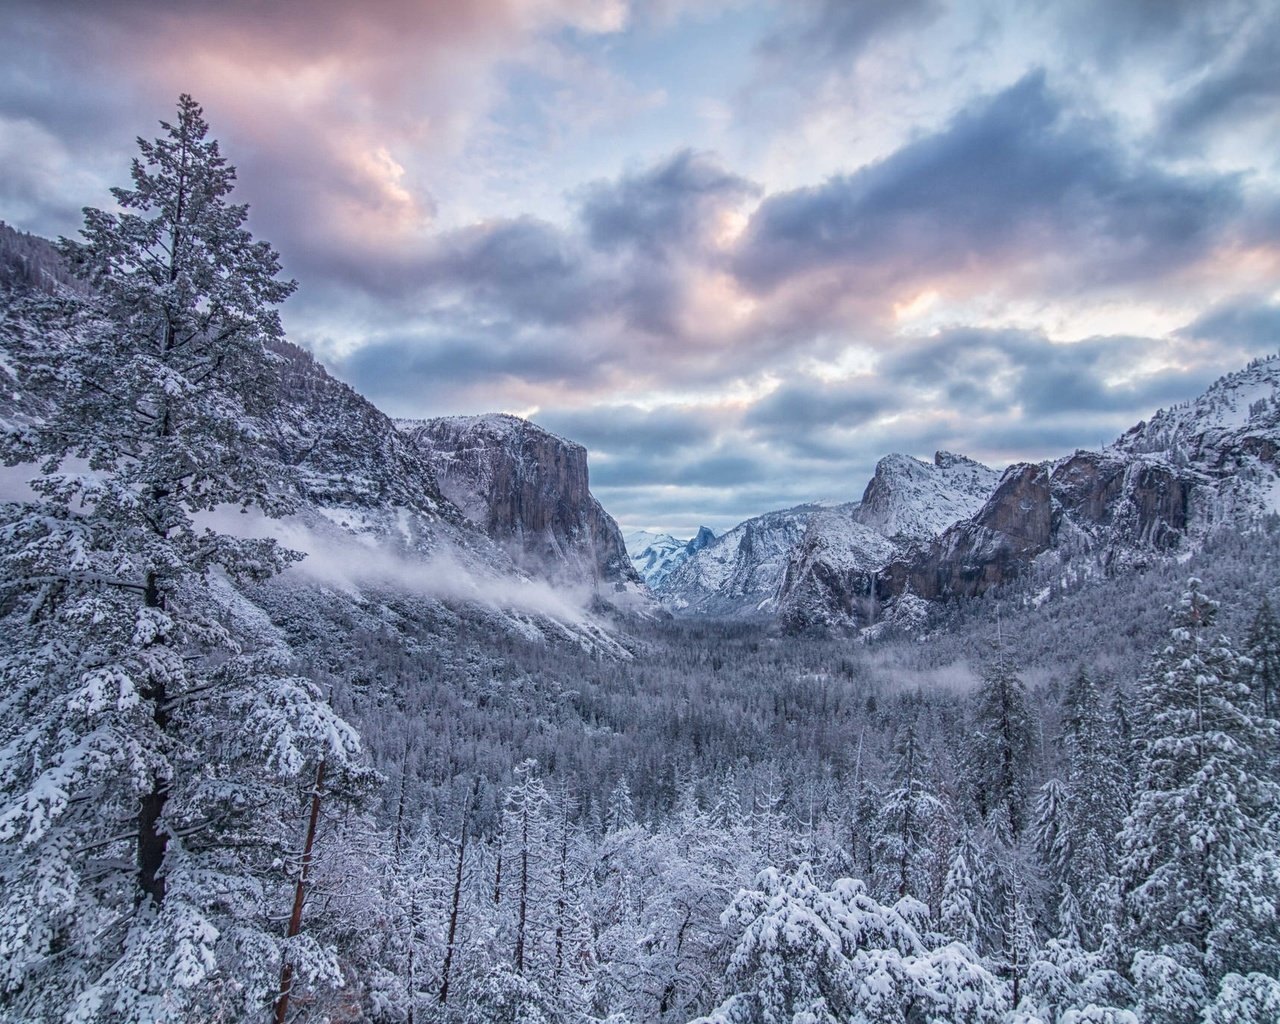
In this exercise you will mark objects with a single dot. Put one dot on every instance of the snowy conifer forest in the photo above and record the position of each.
(246, 775)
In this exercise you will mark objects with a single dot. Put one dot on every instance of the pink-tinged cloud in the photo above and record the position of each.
(427, 172)
(341, 113)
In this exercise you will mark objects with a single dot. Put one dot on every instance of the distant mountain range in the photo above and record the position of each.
(657, 555)
(954, 528)
(495, 513)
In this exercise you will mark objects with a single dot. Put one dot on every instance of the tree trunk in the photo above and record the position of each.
(562, 901)
(524, 888)
(299, 898)
(152, 840)
(457, 900)
(497, 876)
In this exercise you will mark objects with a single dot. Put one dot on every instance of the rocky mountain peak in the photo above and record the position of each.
(527, 488)
(913, 500)
(700, 540)
(741, 571)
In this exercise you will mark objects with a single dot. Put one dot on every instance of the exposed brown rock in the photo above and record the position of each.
(528, 490)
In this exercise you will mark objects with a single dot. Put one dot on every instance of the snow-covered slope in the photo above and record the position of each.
(385, 547)
(1230, 436)
(912, 500)
(656, 555)
(30, 266)
(739, 573)
(831, 574)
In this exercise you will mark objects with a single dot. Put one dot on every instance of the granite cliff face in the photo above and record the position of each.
(1207, 464)
(954, 528)
(527, 489)
(833, 575)
(1012, 527)
(739, 572)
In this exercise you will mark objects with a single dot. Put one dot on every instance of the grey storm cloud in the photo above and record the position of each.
(628, 429)
(522, 266)
(1250, 321)
(743, 466)
(1245, 88)
(987, 393)
(649, 224)
(525, 267)
(799, 404)
(672, 205)
(723, 470)
(432, 366)
(1187, 33)
(990, 371)
(1012, 179)
(657, 222)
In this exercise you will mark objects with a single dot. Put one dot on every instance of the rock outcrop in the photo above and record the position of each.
(834, 575)
(528, 490)
(1011, 528)
(1202, 465)
(657, 555)
(740, 572)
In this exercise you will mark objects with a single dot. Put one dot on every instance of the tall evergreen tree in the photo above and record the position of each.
(1053, 832)
(959, 915)
(905, 840)
(1200, 850)
(1263, 648)
(1097, 797)
(1001, 746)
(621, 813)
(155, 752)
(527, 810)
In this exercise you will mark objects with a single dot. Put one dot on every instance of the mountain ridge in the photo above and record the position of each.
(956, 529)
(511, 500)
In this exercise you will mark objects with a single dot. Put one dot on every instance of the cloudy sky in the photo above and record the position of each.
(738, 249)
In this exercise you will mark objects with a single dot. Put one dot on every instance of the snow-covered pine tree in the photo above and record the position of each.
(1001, 747)
(830, 956)
(1200, 849)
(1066, 978)
(527, 824)
(153, 747)
(1263, 649)
(959, 916)
(906, 833)
(1247, 999)
(770, 825)
(621, 813)
(1097, 798)
(1052, 832)
(1021, 946)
